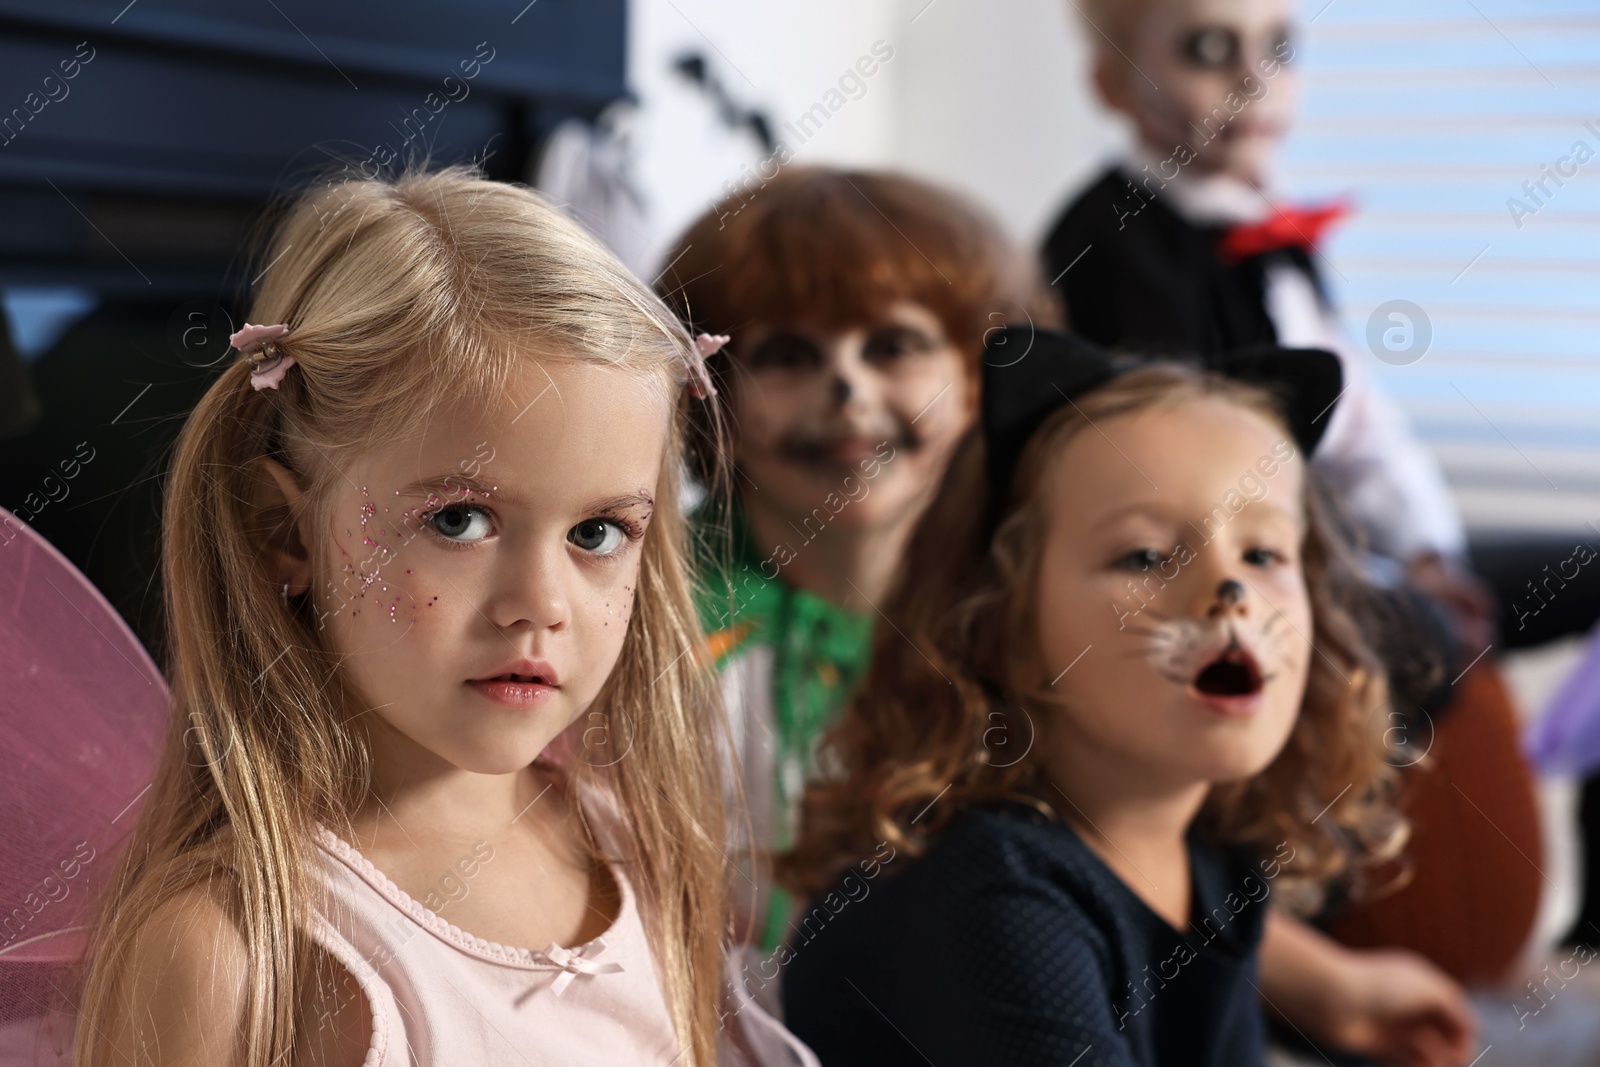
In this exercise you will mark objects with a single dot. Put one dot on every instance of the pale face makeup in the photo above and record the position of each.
(869, 414)
(505, 537)
(1192, 624)
(1215, 75)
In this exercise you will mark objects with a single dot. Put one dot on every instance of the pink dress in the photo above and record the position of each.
(438, 995)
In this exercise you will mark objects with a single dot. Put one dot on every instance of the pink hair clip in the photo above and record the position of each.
(706, 345)
(267, 364)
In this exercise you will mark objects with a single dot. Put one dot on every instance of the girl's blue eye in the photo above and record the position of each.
(454, 520)
(1140, 559)
(1260, 557)
(601, 537)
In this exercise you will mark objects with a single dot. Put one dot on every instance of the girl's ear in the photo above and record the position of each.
(280, 526)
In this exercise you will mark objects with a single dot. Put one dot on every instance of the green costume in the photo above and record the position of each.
(789, 659)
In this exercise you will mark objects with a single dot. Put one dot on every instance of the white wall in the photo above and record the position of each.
(995, 100)
(991, 99)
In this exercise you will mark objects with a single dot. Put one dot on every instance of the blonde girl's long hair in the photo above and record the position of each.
(944, 674)
(402, 296)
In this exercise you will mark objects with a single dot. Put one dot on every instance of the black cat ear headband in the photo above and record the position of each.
(1028, 373)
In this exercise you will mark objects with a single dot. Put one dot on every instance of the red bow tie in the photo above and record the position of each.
(1287, 228)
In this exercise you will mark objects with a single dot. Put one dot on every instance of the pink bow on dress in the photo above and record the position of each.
(573, 963)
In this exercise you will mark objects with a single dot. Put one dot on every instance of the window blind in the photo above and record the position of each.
(1467, 132)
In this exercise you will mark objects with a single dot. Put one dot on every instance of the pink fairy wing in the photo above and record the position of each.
(82, 709)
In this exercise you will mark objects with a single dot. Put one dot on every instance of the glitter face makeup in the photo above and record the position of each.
(1205, 682)
(479, 579)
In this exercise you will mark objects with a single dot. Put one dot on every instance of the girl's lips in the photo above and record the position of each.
(1241, 706)
(515, 694)
(1230, 682)
(849, 451)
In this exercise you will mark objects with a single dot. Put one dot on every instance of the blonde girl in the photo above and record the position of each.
(435, 786)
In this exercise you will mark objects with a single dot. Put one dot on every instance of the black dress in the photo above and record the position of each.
(1010, 942)
(1138, 276)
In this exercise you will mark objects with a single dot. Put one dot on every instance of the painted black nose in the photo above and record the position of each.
(1230, 592)
(841, 390)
